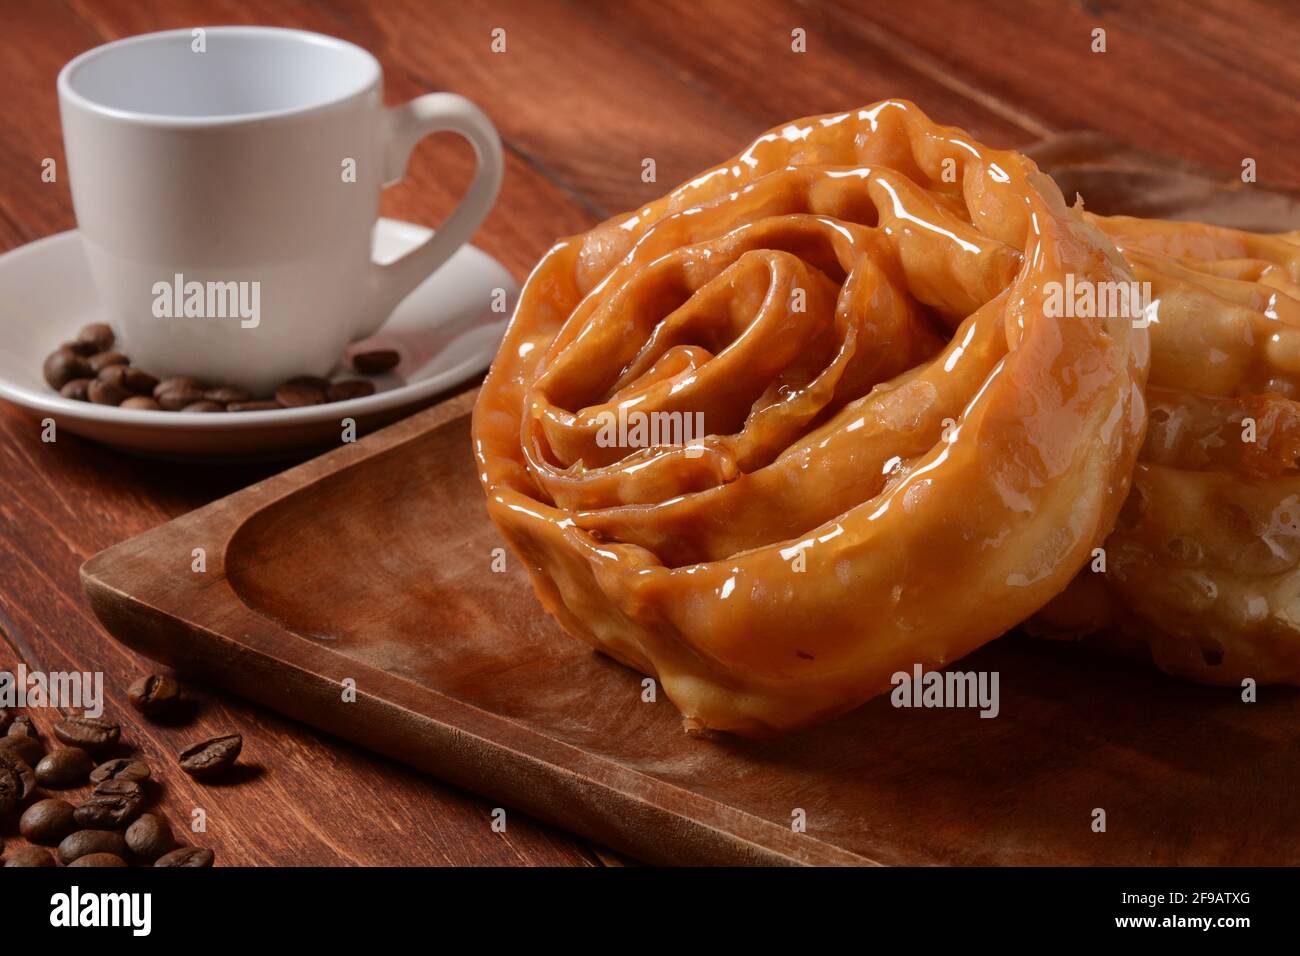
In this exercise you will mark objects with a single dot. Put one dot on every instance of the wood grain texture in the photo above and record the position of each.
(585, 92)
(1187, 80)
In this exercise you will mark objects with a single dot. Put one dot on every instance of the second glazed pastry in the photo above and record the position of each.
(1202, 571)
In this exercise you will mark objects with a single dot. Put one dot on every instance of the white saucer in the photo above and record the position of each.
(46, 295)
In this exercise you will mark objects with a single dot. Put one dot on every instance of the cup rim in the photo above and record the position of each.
(69, 94)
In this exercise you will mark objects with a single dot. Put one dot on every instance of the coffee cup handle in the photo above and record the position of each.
(406, 125)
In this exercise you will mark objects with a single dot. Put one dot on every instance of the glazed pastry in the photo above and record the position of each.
(806, 421)
(1201, 571)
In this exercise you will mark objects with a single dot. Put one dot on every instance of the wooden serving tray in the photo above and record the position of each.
(372, 565)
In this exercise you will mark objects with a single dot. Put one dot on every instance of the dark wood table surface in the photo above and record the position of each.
(584, 92)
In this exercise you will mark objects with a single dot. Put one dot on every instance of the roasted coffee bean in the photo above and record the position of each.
(21, 769)
(142, 403)
(112, 804)
(120, 768)
(186, 856)
(85, 842)
(375, 361)
(21, 747)
(78, 390)
(178, 382)
(94, 734)
(28, 856)
(174, 401)
(105, 359)
(300, 394)
(106, 393)
(84, 349)
(113, 375)
(98, 335)
(6, 719)
(176, 397)
(253, 406)
(27, 781)
(155, 696)
(47, 821)
(62, 366)
(11, 791)
(227, 394)
(139, 381)
(21, 727)
(350, 388)
(150, 837)
(203, 406)
(212, 757)
(63, 768)
(98, 859)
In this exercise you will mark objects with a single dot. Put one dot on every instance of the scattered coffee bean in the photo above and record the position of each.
(6, 719)
(150, 837)
(106, 393)
(63, 768)
(21, 727)
(212, 757)
(174, 397)
(94, 734)
(349, 388)
(300, 394)
(23, 748)
(28, 856)
(62, 366)
(141, 402)
(97, 335)
(98, 859)
(139, 381)
(82, 370)
(227, 394)
(89, 369)
(104, 359)
(178, 382)
(47, 821)
(84, 349)
(375, 361)
(112, 804)
(113, 375)
(120, 768)
(78, 390)
(155, 696)
(84, 842)
(186, 856)
(11, 791)
(20, 768)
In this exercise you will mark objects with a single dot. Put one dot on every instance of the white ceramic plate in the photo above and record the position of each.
(46, 295)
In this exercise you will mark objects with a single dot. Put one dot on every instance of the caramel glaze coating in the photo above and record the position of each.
(830, 528)
(1201, 569)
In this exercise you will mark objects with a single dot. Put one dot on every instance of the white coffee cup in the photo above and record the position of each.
(242, 166)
